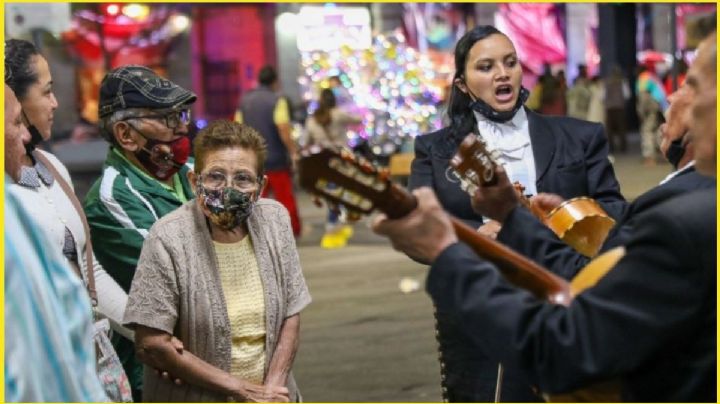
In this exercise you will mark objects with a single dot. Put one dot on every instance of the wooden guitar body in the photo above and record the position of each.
(581, 223)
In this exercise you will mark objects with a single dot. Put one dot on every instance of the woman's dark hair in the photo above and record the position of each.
(462, 120)
(20, 71)
(322, 113)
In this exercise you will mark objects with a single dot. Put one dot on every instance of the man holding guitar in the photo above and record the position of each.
(650, 322)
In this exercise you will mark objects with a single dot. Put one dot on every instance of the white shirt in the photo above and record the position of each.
(512, 142)
(53, 211)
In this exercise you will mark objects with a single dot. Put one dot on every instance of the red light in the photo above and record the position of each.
(112, 9)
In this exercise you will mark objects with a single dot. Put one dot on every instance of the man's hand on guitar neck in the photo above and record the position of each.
(498, 200)
(422, 234)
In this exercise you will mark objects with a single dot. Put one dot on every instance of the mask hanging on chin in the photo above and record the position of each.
(494, 115)
(675, 152)
(35, 137)
(163, 159)
(228, 207)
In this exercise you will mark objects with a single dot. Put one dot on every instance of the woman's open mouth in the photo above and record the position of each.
(504, 93)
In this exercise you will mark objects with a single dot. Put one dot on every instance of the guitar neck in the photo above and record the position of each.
(360, 187)
(516, 268)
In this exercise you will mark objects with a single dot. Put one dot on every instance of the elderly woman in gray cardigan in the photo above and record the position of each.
(222, 274)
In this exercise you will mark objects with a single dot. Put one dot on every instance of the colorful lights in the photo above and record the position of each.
(394, 87)
(112, 9)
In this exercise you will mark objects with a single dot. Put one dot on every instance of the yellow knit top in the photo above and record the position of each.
(245, 301)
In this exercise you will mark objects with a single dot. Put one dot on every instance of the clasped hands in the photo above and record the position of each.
(246, 391)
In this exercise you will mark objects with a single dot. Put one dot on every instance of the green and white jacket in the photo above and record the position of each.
(121, 207)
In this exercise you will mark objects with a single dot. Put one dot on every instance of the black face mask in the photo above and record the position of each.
(163, 159)
(35, 136)
(675, 152)
(490, 113)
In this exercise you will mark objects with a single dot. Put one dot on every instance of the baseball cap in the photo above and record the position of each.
(135, 86)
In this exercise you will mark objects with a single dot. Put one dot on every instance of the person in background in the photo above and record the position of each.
(596, 107)
(267, 112)
(651, 103)
(562, 81)
(681, 67)
(49, 352)
(617, 93)
(342, 94)
(222, 274)
(578, 98)
(552, 99)
(327, 127)
(144, 118)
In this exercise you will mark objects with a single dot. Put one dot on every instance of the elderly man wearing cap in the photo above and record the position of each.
(144, 117)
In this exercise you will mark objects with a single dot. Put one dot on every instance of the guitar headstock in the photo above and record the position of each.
(340, 177)
(474, 163)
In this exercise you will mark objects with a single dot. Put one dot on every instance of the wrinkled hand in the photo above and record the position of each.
(179, 347)
(496, 201)
(256, 393)
(490, 229)
(424, 233)
(546, 202)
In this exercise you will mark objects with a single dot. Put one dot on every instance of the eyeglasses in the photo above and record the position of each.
(172, 119)
(217, 179)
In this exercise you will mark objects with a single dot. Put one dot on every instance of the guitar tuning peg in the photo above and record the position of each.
(347, 155)
(317, 201)
(367, 167)
(383, 174)
(353, 216)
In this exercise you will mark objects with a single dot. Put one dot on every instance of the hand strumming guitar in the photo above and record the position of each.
(498, 200)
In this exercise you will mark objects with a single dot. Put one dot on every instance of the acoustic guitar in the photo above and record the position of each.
(580, 222)
(341, 178)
